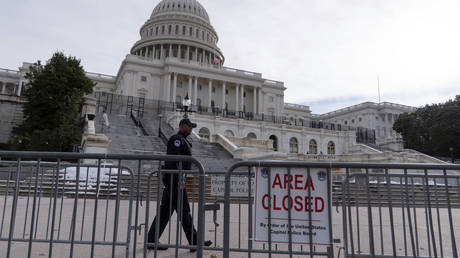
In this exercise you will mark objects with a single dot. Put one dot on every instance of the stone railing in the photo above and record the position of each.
(296, 106)
(101, 76)
(8, 71)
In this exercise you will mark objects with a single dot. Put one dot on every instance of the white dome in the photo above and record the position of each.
(189, 7)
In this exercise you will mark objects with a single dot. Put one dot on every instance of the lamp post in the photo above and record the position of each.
(159, 124)
(451, 149)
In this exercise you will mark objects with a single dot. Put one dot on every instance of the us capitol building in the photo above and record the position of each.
(177, 57)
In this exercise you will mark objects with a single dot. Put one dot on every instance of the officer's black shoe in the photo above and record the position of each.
(206, 243)
(159, 248)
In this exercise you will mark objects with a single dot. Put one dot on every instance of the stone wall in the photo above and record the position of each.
(10, 115)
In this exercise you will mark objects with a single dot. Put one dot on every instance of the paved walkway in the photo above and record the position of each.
(239, 231)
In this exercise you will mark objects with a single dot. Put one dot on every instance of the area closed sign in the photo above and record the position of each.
(308, 193)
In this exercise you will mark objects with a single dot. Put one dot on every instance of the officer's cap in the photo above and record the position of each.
(187, 121)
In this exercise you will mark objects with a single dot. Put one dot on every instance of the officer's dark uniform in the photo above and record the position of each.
(177, 145)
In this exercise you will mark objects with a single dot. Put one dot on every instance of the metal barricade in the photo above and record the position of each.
(56, 203)
(402, 211)
(298, 236)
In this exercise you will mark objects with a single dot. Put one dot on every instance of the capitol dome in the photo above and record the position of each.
(179, 29)
(189, 7)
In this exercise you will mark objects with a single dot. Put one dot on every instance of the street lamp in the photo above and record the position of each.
(186, 103)
(451, 149)
(159, 124)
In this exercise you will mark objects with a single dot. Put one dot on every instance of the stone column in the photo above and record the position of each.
(196, 55)
(3, 88)
(174, 89)
(242, 98)
(209, 93)
(179, 54)
(162, 52)
(189, 87)
(19, 88)
(237, 98)
(254, 101)
(154, 51)
(188, 54)
(224, 86)
(168, 87)
(195, 91)
(170, 51)
(260, 95)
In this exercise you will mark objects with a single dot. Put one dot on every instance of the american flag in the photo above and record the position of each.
(216, 60)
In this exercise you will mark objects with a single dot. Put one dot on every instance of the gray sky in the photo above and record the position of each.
(329, 53)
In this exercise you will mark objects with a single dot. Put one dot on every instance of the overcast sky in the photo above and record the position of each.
(329, 53)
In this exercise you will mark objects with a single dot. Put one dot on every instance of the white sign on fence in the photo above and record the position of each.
(299, 203)
(238, 186)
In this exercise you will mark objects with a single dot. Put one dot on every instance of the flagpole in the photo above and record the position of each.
(378, 86)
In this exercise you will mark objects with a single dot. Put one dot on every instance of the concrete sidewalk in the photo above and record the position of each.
(238, 237)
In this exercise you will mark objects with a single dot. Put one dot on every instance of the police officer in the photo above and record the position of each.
(177, 145)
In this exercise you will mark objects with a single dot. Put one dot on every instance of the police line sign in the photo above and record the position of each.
(299, 202)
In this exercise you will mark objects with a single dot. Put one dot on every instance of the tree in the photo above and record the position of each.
(433, 129)
(55, 94)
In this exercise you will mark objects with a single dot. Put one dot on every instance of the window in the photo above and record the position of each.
(352, 121)
(293, 145)
(177, 29)
(331, 148)
(271, 99)
(360, 119)
(197, 33)
(252, 135)
(204, 133)
(156, 31)
(163, 29)
(313, 147)
(199, 87)
(143, 78)
(183, 30)
(213, 89)
(244, 94)
(229, 133)
(169, 29)
(346, 122)
(151, 31)
(226, 92)
(179, 85)
(198, 102)
(190, 31)
(178, 99)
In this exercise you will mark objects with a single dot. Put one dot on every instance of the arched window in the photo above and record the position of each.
(331, 148)
(169, 29)
(275, 141)
(313, 147)
(293, 145)
(190, 31)
(183, 30)
(229, 133)
(177, 29)
(204, 133)
(252, 135)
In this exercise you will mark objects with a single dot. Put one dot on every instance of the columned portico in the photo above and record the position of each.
(3, 88)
